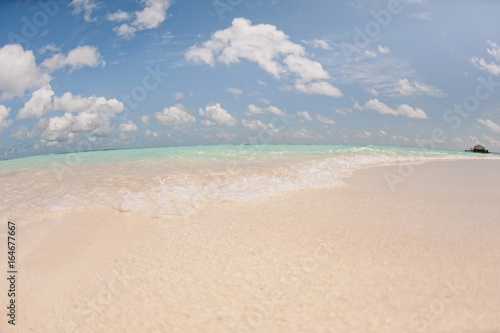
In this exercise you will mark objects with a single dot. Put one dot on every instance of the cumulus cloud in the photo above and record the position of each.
(217, 116)
(4, 113)
(144, 119)
(257, 125)
(19, 72)
(254, 109)
(402, 110)
(90, 115)
(153, 14)
(490, 67)
(489, 124)
(325, 120)
(39, 104)
(305, 115)
(270, 48)
(85, 6)
(407, 88)
(128, 126)
(175, 116)
(118, 16)
(75, 59)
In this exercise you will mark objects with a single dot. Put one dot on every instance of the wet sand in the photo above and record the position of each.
(395, 249)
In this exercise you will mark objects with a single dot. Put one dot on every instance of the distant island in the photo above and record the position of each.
(478, 149)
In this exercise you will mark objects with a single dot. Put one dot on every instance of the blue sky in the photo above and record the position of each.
(93, 74)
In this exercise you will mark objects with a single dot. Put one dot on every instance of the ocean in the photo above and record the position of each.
(160, 182)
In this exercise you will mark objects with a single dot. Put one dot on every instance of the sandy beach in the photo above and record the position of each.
(418, 255)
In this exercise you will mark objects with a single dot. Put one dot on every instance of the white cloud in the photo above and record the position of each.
(382, 133)
(383, 50)
(39, 104)
(175, 116)
(317, 43)
(320, 88)
(217, 116)
(370, 54)
(92, 116)
(19, 72)
(325, 120)
(402, 110)
(51, 48)
(492, 126)
(407, 88)
(151, 133)
(85, 6)
(125, 31)
(4, 113)
(77, 58)
(153, 14)
(178, 95)
(305, 115)
(235, 91)
(270, 48)
(490, 67)
(253, 110)
(257, 125)
(128, 126)
(263, 100)
(144, 119)
(118, 16)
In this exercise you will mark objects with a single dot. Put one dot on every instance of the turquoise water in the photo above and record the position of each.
(211, 152)
(159, 182)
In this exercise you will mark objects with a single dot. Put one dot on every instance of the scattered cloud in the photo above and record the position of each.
(128, 126)
(325, 120)
(4, 113)
(402, 110)
(90, 115)
(144, 119)
(85, 6)
(489, 124)
(235, 91)
(317, 43)
(253, 110)
(305, 115)
(118, 16)
(270, 48)
(257, 125)
(178, 95)
(490, 67)
(175, 116)
(407, 88)
(49, 48)
(19, 72)
(75, 59)
(217, 116)
(38, 105)
(383, 50)
(153, 14)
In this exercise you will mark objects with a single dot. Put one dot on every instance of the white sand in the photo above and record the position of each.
(359, 258)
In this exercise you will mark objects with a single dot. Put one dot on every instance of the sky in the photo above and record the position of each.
(81, 75)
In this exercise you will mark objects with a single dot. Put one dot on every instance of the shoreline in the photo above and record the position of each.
(357, 258)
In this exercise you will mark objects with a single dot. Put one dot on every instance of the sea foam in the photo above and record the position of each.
(164, 181)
